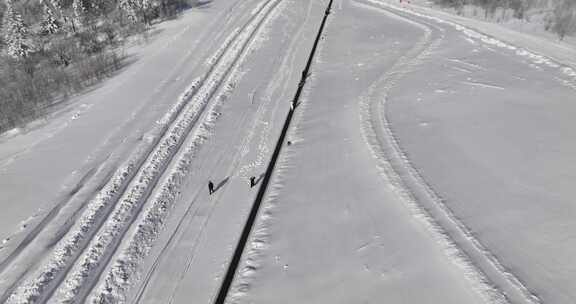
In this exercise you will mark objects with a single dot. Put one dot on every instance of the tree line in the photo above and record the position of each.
(561, 14)
(50, 49)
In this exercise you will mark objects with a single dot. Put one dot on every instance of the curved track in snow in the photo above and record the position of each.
(482, 268)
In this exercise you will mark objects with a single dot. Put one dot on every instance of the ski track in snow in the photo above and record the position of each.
(483, 85)
(137, 245)
(125, 268)
(494, 282)
(538, 60)
(185, 221)
(105, 167)
(260, 237)
(84, 251)
(76, 260)
(87, 187)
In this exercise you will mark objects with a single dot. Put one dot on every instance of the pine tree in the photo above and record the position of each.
(147, 8)
(56, 6)
(79, 13)
(564, 18)
(95, 8)
(15, 33)
(148, 4)
(50, 23)
(130, 8)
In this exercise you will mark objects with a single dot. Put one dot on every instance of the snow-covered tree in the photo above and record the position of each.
(139, 10)
(148, 4)
(79, 13)
(564, 18)
(130, 8)
(148, 7)
(50, 23)
(15, 32)
(56, 6)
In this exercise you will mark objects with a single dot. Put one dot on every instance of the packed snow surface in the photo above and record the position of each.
(431, 160)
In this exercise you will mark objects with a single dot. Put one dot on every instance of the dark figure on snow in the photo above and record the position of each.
(210, 187)
(252, 181)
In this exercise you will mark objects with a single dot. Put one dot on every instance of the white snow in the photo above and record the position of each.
(448, 155)
(430, 161)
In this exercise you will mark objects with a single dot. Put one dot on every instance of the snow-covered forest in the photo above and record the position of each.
(50, 49)
(557, 16)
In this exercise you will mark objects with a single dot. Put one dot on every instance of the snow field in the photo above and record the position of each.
(120, 240)
(493, 280)
(540, 59)
(171, 272)
(259, 240)
(137, 246)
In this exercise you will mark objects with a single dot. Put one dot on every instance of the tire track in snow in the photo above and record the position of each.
(141, 173)
(496, 283)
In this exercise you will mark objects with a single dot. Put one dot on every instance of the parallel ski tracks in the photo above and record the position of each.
(134, 180)
(102, 173)
(193, 208)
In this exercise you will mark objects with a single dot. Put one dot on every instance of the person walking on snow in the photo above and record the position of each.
(210, 187)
